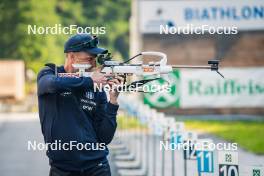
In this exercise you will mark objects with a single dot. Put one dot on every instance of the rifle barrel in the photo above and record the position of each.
(192, 66)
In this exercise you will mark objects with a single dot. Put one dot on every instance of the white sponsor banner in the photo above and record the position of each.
(242, 87)
(245, 15)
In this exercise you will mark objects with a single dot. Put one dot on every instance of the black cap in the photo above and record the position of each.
(83, 42)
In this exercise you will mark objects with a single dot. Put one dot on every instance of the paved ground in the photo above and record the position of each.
(16, 130)
(15, 159)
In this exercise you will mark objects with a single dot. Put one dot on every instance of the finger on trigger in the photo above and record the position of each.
(116, 81)
(120, 79)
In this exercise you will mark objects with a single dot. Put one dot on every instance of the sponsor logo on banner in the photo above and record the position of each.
(242, 87)
(163, 99)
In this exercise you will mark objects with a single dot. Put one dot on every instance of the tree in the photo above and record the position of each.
(35, 50)
(114, 15)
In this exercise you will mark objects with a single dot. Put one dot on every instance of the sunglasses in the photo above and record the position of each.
(90, 44)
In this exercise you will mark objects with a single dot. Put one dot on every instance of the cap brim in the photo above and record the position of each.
(96, 51)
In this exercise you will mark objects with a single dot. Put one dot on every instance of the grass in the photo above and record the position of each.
(248, 135)
(126, 122)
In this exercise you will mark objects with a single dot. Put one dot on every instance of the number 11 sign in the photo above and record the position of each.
(205, 157)
(205, 161)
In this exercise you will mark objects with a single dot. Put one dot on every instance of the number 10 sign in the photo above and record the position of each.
(228, 163)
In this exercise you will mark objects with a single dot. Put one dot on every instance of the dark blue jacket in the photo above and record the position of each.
(70, 110)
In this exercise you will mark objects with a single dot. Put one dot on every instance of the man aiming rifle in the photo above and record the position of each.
(72, 114)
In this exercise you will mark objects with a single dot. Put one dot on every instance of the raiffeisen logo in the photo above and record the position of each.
(163, 99)
(227, 87)
(242, 87)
